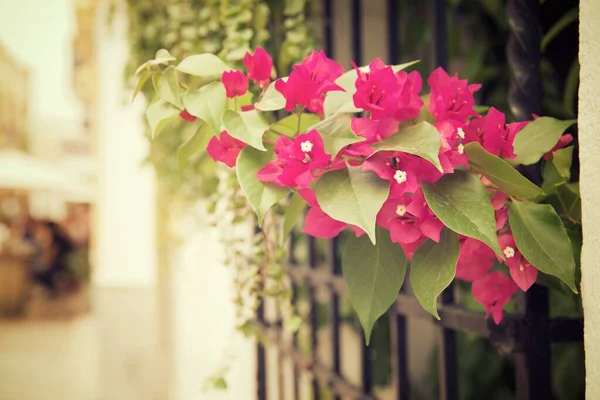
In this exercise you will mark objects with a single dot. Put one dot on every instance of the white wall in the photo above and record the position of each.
(125, 211)
(40, 33)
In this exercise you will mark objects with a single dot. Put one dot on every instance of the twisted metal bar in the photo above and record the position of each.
(524, 56)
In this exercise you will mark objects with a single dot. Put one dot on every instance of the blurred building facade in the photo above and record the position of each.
(14, 90)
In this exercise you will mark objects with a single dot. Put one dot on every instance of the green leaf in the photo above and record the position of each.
(159, 114)
(422, 140)
(342, 101)
(289, 125)
(163, 56)
(207, 103)
(567, 19)
(567, 202)
(508, 179)
(293, 210)
(194, 145)
(537, 138)
(205, 65)
(261, 196)
(166, 85)
(336, 131)
(557, 170)
(374, 275)
(247, 126)
(543, 240)
(352, 196)
(433, 268)
(142, 80)
(271, 100)
(461, 202)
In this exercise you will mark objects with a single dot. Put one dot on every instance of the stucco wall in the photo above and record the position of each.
(589, 154)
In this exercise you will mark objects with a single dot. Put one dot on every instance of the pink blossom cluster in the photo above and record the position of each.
(388, 99)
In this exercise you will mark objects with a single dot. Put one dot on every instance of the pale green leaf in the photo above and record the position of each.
(499, 172)
(422, 140)
(271, 100)
(247, 126)
(194, 145)
(342, 102)
(542, 239)
(336, 131)
(205, 65)
(374, 275)
(166, 85)
(352, 196)
(142, 80)
(557, 170)
(293, 210)
(159, 114)
(461, 202)
(207, 103)
(537, 138)
(433, 268)
(163, 57)
(261, 196)
(288, 126)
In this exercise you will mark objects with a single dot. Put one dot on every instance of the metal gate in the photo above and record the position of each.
(526, 336)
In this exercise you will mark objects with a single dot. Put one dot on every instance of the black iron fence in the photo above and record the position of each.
(526, 335)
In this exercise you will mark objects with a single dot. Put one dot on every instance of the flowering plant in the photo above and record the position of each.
(419, 178)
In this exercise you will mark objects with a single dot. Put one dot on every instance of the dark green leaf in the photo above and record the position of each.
(194, 145)
(433, 268)
(352, 196)
(557, 170)
(537, 138)
(336, 131)
(567, 19)
(543, 240)
(374, 275)
(293, 210)
(508, 179)
(261, 196)
(461, 202)
(422, 140)
(205, 65)
(247, 126)
(207, 103)
(159, 114)
(567, 202)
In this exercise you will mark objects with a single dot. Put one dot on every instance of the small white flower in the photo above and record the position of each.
(521, 268)
(460, 148)
(306, 146)
(461, 133)
(400, 176)
(401, 210)
(509, 252)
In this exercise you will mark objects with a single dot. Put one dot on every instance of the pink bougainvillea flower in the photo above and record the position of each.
(409, 219)
(522, 272)
(386, 94)
(298, 161)
(185, 115)
(225, 148)
(494, 291)
(309, 82)
(317, 223)
(451, 98)
(562, 142)
(235, 82)
(398, 168)
(475, 259)
(491, 131)
(410, 248)
(498, 203)
(374, 130)
(259, 66)
(452, 151)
